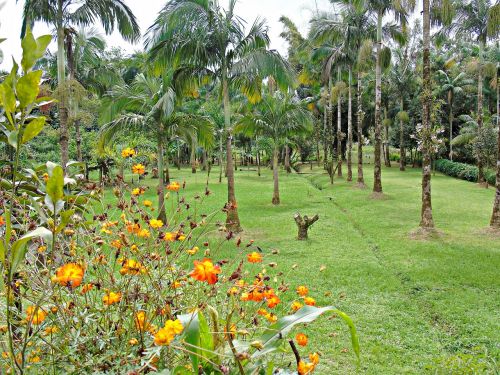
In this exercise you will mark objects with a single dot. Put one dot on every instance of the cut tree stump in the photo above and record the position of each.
(303, 224)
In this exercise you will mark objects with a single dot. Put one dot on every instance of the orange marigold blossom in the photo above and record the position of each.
(166, 335)
(87, 288)
(2, 221)
(155, 224)
(148, 203)
(205, 271)
(128, 152)
(143, 233)
(138, 191)
(117, 244)
(273, 301)
(141, 322)
(69, 275)
(310, 301)
(304, 368)
(314, 358)
(45, 176)
(296, 305)
(301, 339)
(302, 290)
(35, 315)
(174, 186)
(111, 297)
(254, 257)
(138, 169)
(131, 267)
(272, 318)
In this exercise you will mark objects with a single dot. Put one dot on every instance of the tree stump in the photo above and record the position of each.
(303, 224)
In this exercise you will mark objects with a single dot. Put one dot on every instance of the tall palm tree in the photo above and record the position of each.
(479, 19)
(62, 15)
(149, 105)
(381, 8)
(451, 87)
(278, 117)
(210, 41)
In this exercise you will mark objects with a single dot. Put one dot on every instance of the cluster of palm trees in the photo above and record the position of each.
(198, 45)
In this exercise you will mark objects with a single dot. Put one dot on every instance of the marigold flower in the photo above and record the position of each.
(128, 152)
(35, 315)
(296, 305)
(273, 301)
(174, 186)
(111, 298)
(50, 330)
(148, 203)
(117, 244)
(166, 335)
(305, 368)
(87, 288)
(245, 296)
(2, 221)
(254, 257)
(138, 169)
(141, 322)
(41, 249)
(301, 339)
(314, 358)
(205, 271)
(155, 224)
(133, 341)
(310, 301)
(176, 284)
(69, 275)
(137, 191)
(131, 267)
(45, 176)
(272, 318)
(143, 233)
(302, 290)
(193, 251)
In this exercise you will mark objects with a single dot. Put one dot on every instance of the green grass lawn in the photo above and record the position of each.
(420, 306)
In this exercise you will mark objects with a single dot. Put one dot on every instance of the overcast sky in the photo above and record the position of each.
(146, 10)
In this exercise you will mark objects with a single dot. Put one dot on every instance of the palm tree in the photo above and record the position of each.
(478, 19)
(278, 117)
(208, 41)
(149, 105)
(382, 8)
(452, 87)
(62, 14)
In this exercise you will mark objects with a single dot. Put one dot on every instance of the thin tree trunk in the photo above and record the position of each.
(349, 130)
(276, 192)
(402, 151)
(61, 78)
(480, 176)
(167, 162)
(193, 158)
(495, 216)
(161, 186)
(450, 121)
(325, 131)
(232, 219)
(387, 154)
(377, 170)
(426, 221)
(287, 159)
(258, 163)
(339, 130)
(221, 164)
(361, 179)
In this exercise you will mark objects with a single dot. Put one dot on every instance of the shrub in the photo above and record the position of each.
(462, 171)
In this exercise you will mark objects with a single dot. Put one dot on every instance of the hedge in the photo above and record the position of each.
(463, 171)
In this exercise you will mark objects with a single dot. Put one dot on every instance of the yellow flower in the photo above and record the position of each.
(70, 275)
(50, 330)
(148, 203)
(174, 186)
(138, 191)
(111, 298)
(166, 335)
(36, 315)
(86, 288)
(302, 290)
(144, 233)
(310, 301)
(141, 322)
(193, 251)
(138, 169)
(117, 244)
(128, 152)
(41, 249)
(133, 341)
(296, 305)
(155, 224)
(132, 267)
(45, 176)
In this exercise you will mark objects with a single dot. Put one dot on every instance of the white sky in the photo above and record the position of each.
(298, 11)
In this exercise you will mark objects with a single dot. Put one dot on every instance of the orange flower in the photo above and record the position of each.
(272, 318)
(2, 221)
(69, 275)
(128, 152)
(166, 335)
(205, 271)
(254, 257)
(36, 315)
(141, 322)
(87, 288)
(111, 298)
(305, 368)
(301, 339)
(314, 358)
(131, 267)
(155, 224)
(138, 169)
(310, 301)
(302, 291)
(143, 233)
(45, 176)
(273, 301)
(174, 186)
(296, 305)
(148, 203)
(117, 244)
(138, 191)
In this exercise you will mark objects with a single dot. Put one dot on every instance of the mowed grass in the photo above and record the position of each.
(420, 306)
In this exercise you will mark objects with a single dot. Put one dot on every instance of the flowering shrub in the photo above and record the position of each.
(90, 287)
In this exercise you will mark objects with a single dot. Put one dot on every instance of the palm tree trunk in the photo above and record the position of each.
(495, 216)
(377, 170)
(61, 78)
(325, 133)
(361, 179)
(276, 192)
(349, 130)
(480, 176)
(221, 164)
(232, 218)
(287, 159)
(450, 121)
(161, 186)
(167, 169)
(193, 158)
(339, 130)
(426, 221)
(387, 154)
(402, 151)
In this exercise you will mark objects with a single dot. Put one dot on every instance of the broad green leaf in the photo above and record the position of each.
(28, 87)
(12, 138)
(55, 184)
(33, 128)
(33, 49)
(197, 334)
(273, 336)
(19, 246)
(7, 97)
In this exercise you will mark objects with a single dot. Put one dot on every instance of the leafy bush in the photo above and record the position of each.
(463, 171)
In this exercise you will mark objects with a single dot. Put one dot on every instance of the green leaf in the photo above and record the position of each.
(19, 246)
(55, 184)
(273, 336)
(33, 49)
(65, 218)
(33, 128)
(12, 138)
(7, 97)
(28, 87)
(197, 334)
